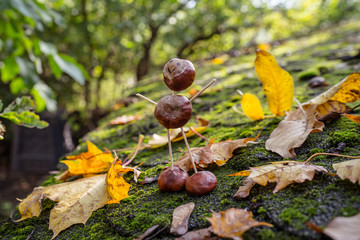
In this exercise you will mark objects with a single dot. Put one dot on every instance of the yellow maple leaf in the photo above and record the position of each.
(355, 118)
(251, 106)
(116, 185)
(233, 222)
(91, 162)
(277, 83)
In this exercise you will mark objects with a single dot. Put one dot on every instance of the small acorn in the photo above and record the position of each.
(173, 111)
(172, 180)
(201, 183)
(178, 74)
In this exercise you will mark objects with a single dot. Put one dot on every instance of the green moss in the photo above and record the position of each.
(265, 234)
(293, 217)
(348, 211)
(261, 210)
(308, 73)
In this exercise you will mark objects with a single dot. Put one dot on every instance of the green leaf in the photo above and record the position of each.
(1, 105)
(26, 119)
(27, 72)
(17, 85)
(69, 65)
(20, 105)
(9, 70)
(56, 70)
(44, 97)
(47, 48)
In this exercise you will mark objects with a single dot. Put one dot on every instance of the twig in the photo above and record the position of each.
(194, 131)
(202, 90)
(141, 138)
(188, 148)
(330, 154)
(170, 150)
(147, 99)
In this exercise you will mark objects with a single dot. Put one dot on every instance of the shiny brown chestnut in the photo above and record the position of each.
(178, 74)
(173, 111)
(201, 183)
(172, 180)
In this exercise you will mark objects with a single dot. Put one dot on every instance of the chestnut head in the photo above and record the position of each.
(201, 183)
(173, 111)
(172, 180)
(178, 74)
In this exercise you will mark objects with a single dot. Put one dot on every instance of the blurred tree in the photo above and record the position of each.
(22, 52)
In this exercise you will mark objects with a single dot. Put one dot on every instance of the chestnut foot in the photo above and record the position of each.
(201, 183)
(172, 180)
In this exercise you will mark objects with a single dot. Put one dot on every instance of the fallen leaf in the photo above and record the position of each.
(124, 119)
(283, 173)
(293, 131)
(348, 170)
(201, 234)
(233, 222)
(176, 135)
(264, 46)
(277, 83)
(341, 228)
(217, 153)
(77, 200)
(148, 232)
(355, 118)
(90, 162)
(217, 61)
(116, 185)
(333, 100)
(148, 180)
(181, 215)
(349, 90)
(331, 110)
(251, 106)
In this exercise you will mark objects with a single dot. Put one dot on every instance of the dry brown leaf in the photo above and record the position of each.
(348, 170)
(217, 153)
(124, 119)
(331, 110)
(293, 131)
(233, 222)
(201, 234)
(283, 173)
(77, 200)
(341, 228)
(176, 135)
(180, 220)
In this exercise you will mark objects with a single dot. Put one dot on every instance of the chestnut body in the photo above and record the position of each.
(173, 111)
(172, 180)
(201, 183)
(178, 74)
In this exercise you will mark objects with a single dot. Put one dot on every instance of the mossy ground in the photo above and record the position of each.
(317, 201)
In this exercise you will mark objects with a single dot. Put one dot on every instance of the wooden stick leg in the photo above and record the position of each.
(170, 150)
(202, 90)
(188, 148)
(147, 99)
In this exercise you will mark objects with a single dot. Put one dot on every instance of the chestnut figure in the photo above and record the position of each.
(178, 74)
(172, 180)
(173, 111)
(201, 183)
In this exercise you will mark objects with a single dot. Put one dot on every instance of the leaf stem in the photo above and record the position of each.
(330, 154)
(194, 131)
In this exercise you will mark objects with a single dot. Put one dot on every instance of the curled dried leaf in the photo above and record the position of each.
(233, 222)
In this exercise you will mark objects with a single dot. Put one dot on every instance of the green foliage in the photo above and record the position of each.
(20, 113)
(23, 54)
